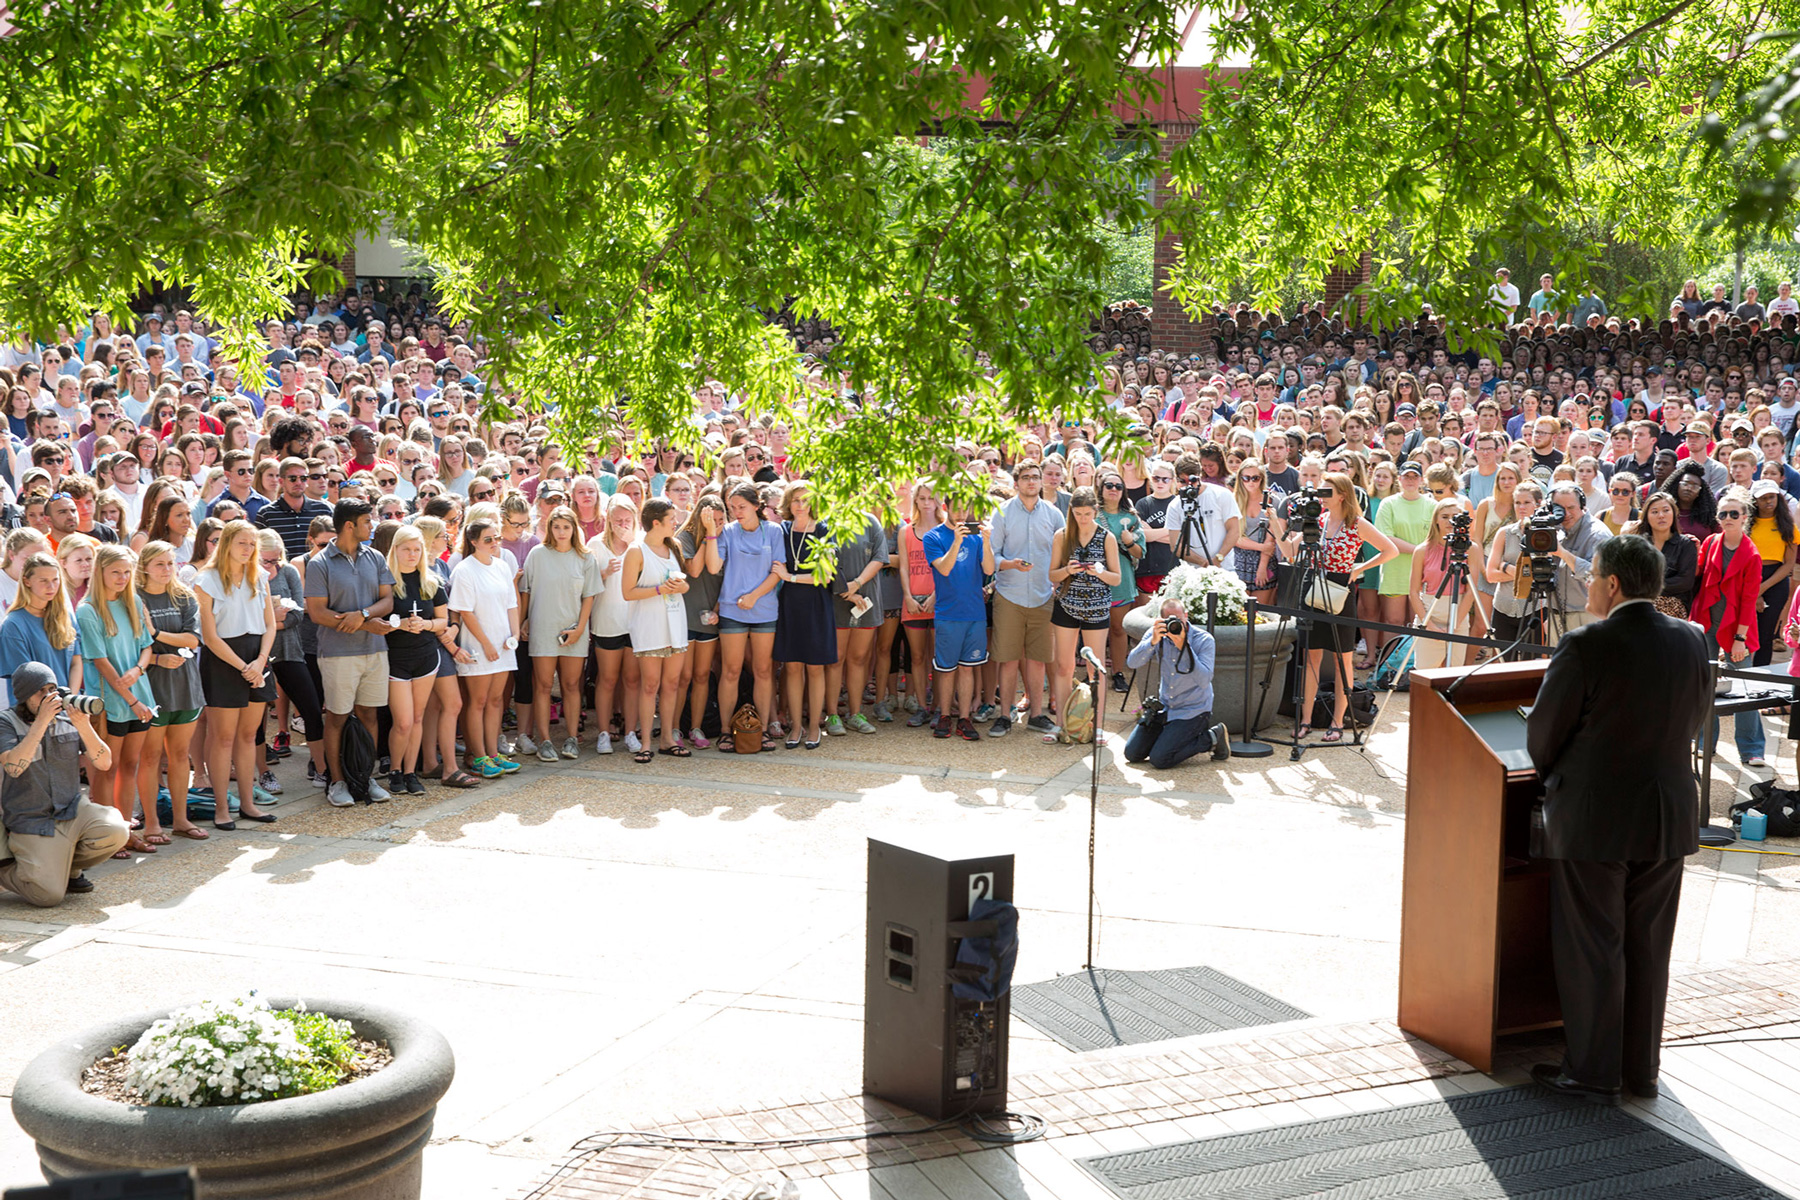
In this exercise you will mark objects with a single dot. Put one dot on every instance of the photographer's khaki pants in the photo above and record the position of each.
(43, 864)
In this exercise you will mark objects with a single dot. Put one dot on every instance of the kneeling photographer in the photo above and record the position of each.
(1177, 722)
(53, 835)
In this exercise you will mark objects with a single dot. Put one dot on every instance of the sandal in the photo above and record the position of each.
(123, 854)
(1302, 733)
(769, 744)
(159, 838)
(137, 845)
(676, 751)
(460, 779)
(193, 831)
(724, 745)
(1334, 733)
(643, 756)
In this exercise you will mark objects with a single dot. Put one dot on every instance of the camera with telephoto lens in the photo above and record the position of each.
(1539, 541)
(1307, 512)
(1153, 713)
(93, 706)
(1460, 541)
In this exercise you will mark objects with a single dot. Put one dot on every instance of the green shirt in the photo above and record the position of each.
(122, 649)
(1410, 521)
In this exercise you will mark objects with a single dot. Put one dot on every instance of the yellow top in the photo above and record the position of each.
(1767, 537)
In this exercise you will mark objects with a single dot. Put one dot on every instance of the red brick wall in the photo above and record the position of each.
(347, 265)
(1173, 328)
(1340, 282)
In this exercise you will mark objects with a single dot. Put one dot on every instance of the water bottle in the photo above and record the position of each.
(1755, 825)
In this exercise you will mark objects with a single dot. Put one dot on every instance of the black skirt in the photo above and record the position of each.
(1320, 635)
(224, 686)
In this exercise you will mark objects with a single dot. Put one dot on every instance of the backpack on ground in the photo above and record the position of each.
(1078, 721)
(1780, 805)
(1396, 661)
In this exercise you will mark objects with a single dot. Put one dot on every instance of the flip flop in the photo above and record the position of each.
(676, 751)
(643, 756)
(460, 779)
(770, 744)
(123, 854)
(157, 839)
(193, 831)
(138, 845)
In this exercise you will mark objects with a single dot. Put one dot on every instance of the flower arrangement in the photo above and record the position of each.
(237, 1051)
(1190, 586)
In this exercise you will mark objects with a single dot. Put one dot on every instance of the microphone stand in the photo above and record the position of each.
(1099, 671)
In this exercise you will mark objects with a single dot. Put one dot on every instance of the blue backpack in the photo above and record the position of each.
(1396, 661)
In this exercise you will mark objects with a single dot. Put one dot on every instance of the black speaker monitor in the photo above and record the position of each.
(924, 1048)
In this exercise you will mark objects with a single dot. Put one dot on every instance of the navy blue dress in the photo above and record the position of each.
(805, 630)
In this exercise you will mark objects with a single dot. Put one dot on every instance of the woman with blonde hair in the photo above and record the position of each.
(655, 580)
(556, 590)
(40, 625)
(117, 648)
(21, 544)
(76, 553)
(174, 615)
(1433, 565)
(918, 584)
(610, 624)
(419, 615)
(238, 624)
(443, 711)
(485, 603)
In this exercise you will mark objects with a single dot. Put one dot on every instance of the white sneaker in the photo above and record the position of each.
(632, 744)
(378, 794)
(604, 745)
(526, 745)
(507, 745)
(339, 795)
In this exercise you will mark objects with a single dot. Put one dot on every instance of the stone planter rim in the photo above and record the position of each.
(49, 1105)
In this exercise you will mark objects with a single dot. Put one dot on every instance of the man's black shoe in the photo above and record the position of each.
(1644, 1089)
(81, 885)
(1551, 1076)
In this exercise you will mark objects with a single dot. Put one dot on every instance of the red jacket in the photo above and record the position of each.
(1739, 586)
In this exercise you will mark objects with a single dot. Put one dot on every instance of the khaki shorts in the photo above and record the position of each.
(1021, 633)
(354, 679)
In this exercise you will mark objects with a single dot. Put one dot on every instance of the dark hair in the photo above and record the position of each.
(1634, 562)
(289, 430)
(1705, 509)
(348, 512)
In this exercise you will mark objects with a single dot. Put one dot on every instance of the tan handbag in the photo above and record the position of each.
(746, 729)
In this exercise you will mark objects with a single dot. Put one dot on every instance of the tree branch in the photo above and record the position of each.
(1626, 39)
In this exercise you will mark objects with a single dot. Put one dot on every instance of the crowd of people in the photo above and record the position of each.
(236, 559)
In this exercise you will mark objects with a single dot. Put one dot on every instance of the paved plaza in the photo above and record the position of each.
(680, 946)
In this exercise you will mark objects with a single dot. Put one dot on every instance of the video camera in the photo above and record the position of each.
(1189, 490)
(1307, 512)
(1460, 541)
(1538, 544)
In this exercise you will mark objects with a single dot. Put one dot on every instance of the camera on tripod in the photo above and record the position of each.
(1307, 512)
(1538, 545)
(1460, 541)
(1190, 489)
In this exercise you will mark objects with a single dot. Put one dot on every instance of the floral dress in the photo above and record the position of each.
(1088, 598)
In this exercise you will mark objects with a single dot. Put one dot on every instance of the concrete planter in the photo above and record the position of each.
(1231, 644)
(361, 1141)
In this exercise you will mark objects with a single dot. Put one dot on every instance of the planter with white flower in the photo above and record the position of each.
(1191, 586)
(333, 1101)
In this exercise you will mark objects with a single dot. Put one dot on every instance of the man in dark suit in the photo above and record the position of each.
(1610, 736)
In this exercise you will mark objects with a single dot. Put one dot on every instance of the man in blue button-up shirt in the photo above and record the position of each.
(1024, 533)
(1185, 687)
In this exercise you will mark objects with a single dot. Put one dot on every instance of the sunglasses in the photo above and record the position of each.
(1112, 487)
(318, 477)
(1730, 512)
(1619, 491)
(487, 495)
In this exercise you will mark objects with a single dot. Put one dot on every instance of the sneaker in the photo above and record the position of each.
(1221, 748)
(487, 768)
(508, 745)
(1001, 727)
(270, 758)
(318, 779)
(296, 725)
(1757, 762)
(883, 713)
(339, 795)
(920, 716)
(604, 744)
(270, 784)
(942, 728)
(631, 742)
(698, 740)
(284, 744)
(377, 793)
(1042, 723)
(835, 726)
(859, 723)
(1119, 685)
(571, 748)
(965, 729)
(911, 703)
(80, 885)
(396, 784)
(985, 713)
(546, 752)
(526, 744)
(382, 766)
(414, 785)
(507, 765)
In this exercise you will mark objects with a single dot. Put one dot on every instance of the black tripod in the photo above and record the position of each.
(1307, 569)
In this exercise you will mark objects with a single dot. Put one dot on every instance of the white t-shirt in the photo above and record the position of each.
(1214, 507)
(486, 591)
(1780, 307)
(1506, 295)
(236, 612)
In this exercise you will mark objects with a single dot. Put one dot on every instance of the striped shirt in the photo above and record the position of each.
(290, 523)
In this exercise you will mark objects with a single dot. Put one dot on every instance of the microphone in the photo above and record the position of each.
(1093, 659)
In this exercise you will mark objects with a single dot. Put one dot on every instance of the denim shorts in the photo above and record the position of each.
(727, 625)
(960, 644)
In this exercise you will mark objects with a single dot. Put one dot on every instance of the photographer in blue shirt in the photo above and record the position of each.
(1177, 723)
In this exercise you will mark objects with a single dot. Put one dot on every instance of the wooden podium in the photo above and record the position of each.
(1475, 912)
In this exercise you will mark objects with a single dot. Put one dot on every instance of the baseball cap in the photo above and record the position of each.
(1764, 487)
(1411, 468)
(1408, 409)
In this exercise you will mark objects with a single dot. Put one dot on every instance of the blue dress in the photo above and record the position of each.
(805, 630)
